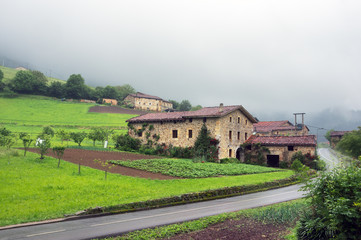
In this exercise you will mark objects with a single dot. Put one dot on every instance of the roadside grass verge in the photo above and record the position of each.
(34, 190)
(282, 213)
(186, 168)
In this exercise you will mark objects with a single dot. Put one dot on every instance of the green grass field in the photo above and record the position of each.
(33, 189)
(30, 114)
(187, 169)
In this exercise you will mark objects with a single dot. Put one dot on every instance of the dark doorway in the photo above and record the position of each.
(273, 160)
(240, 154)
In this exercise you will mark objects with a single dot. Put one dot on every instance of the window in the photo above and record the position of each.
(230, 135)
(230, 119)
(239, 120)
(190, 133)
(190, 120)
(175, 133)
(290, 148)
(246, 121)
(245, 136)
(204, 120)
(238, 135)
(140, 133)
(230, 153)
(150, 103)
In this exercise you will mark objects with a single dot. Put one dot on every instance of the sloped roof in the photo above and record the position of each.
(268, 126)
(204, 112)
(338, 133)
(309, 140)
(143, 95)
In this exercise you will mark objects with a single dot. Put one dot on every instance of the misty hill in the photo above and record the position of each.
(9, 73)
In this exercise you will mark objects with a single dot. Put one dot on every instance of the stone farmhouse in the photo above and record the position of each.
(147, 102)
(336, 136)
(279, 128)
(282, 148)
(230, 125)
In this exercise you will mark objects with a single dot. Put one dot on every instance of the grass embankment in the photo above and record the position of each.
(282, 213)
(33, 189)
(31, 113)
(186, 168)
(9, 74)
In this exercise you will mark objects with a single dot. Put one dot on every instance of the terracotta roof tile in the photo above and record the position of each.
(143, 95)
(338, 133)
(309, 140)
(204, 112)
(268, 126)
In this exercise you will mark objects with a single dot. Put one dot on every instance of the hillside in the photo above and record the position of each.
(9, 73)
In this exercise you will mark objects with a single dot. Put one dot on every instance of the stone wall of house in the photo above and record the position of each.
(148, 104)
(285, 154)
(302, 132)
(177, 133)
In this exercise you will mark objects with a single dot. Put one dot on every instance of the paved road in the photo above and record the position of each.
(121, 223)
(330, 159)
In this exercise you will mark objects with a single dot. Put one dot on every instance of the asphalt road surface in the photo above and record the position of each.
(121, 223)
(330, 159)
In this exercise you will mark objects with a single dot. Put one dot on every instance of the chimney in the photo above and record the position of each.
(221, 107)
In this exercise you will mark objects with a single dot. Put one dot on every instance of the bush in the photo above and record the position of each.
(229, 160)
(297, 165)
(126, 143)
(284, 164)
(335, 201)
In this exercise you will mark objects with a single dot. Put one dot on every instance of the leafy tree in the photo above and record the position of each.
(75, 87)
(7, 138)
(328, 135)
(78, 137)
(335, 206)
(59, 152)
(126, 142)
(23, 82)
(2, 85)
(56, 89)
(48, 131)
(185, 105)
(43, 144)
(1, 75)
(40, 83)
(124, 91)
(95, 134)
(205, 147)
(110, 92)
(195, 108)
(175, 104)
(26, 139)
(63, 135)
(350, 143)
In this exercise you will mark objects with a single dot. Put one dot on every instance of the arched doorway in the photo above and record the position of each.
(240, 154)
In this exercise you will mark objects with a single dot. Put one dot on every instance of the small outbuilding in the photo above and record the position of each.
(336, 136)
(110, 101)
(280, 148)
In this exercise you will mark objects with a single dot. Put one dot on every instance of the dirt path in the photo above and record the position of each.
(87, 157)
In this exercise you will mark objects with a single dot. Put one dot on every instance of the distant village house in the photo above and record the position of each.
(110, 101)
(336, 136)
(280, 128)
(147, 102)
(230, 125)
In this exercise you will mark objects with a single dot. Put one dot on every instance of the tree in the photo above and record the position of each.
(175, 104)
(124, 91)
(110, 92)
(59, 152)
(75, 87)
(95, 134)
(185, 105)
(350, 143)
(328, 135)
(63, 135)
(206, 147)
(1, 75)
(78, 137)
(334, 206)
(195, 108)
(23, 82)
(2, 85)
(40, 83)
(26, 141)
(48, 131)
(56, 89)
(43, 144)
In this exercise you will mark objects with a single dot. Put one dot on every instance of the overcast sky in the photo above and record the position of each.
(279, 56)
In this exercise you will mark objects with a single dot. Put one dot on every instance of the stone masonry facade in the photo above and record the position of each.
(147, 102)
(231, 128)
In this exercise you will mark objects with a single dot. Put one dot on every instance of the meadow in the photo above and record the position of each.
(28, 113)
(34, 189)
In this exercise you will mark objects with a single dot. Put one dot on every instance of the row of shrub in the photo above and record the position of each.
(193, 197)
